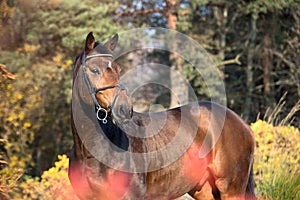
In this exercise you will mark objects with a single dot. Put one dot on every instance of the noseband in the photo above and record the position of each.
(93, 91)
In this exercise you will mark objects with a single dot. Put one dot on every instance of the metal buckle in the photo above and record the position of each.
(104, 120)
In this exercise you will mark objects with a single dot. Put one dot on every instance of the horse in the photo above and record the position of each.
(222, 171)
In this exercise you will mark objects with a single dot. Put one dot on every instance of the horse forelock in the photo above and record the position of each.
(100, 48)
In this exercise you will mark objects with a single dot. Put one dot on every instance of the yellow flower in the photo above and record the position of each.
(57, 59)
(30, 48)
(21, 115)
(27, 125)
(18, 96)
(11, 118)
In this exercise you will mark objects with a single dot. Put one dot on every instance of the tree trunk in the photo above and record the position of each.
(221, 14)
(249, 70)
(179, 88)
(266, 63)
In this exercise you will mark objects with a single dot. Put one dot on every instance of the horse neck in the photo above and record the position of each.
(79, 151)
(116, 136)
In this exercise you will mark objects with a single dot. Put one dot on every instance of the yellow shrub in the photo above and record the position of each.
(9, 177)
(277, 147)
(53, 185)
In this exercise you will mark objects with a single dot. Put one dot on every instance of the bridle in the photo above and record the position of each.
(93, 91)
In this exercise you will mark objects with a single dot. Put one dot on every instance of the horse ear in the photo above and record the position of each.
(89, 43)
(112, 43)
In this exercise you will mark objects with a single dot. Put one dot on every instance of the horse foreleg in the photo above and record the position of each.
(138, 187)
(204, 194)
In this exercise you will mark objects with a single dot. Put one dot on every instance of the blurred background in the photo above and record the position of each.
(255, 45)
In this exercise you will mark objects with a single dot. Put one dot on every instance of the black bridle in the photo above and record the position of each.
(93, 91)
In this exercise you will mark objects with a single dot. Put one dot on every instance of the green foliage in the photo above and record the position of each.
(62, 25)
(257, 7)
(224, 29)
(205, 83)
(277, 159)
(35, 109)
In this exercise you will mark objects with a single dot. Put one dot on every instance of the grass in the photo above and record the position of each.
(277, 158)
(282, 186)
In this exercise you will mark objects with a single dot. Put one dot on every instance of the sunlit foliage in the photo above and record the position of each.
(277, 160)
(35, 109)
(52, 185)
(40, 38)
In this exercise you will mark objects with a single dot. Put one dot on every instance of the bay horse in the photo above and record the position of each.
(100, 102)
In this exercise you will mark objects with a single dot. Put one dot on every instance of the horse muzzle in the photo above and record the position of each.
(122, 111)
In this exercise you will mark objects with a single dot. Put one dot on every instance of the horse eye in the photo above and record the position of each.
(95, 71)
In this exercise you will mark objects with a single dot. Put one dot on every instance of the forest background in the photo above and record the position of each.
(255, 45)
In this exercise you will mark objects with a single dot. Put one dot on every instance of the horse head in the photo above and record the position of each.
(101, 75)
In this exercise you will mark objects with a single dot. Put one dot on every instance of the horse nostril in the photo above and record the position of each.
(131, 112)
(122, 111)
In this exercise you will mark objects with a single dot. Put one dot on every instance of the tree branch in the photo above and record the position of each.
(286, 61)
(141, 12)
(4, 72)
(219, 4)
(231, 61)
